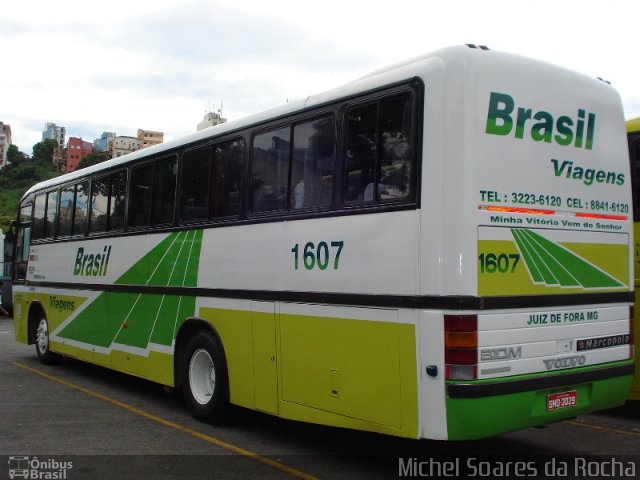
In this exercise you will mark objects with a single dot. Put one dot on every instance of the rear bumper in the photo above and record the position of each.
(488, 389)
(484, 409)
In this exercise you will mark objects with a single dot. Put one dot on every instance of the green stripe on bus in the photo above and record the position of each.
(553, 264)
(137, 320)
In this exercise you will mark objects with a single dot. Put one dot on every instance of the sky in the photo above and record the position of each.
(119, 65)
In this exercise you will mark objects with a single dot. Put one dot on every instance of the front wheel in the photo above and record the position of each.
(205, 380)
(46, 356)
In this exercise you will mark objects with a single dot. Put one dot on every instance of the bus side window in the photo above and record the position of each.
(194, 185)
(52, 214)
(23, 241)
(80, 208)
(65, 218)
(228, 161)
(270, 171)
(313, 164)
(360, 153)
(99, 204)
(117, 201)
(164, 192)
(396, 148)
(379, 151)
(140, 201)
(39, 210)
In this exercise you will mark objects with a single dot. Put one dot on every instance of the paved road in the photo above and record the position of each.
(110, 425)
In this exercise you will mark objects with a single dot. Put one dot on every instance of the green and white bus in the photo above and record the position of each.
(441, 249)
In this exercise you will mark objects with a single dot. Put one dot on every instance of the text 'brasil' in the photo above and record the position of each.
(92, 264)
(541, 125)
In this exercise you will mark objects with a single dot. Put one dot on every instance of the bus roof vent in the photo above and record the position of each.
(481, 47)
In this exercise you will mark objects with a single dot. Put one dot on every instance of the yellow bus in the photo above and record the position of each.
(633, 133)
(440, 249)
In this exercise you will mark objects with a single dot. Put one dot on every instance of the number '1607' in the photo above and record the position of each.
(318, 256)
(498, 263)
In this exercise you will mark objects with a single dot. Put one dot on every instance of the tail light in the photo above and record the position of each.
(461, 347)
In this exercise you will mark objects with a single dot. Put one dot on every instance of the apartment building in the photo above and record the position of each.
(5, 141)
(148, 138)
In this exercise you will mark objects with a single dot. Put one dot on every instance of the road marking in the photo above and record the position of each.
(168, 423)
(601, 427)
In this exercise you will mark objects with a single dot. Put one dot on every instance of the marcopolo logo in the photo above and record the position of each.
(502, 117)
(92, 264)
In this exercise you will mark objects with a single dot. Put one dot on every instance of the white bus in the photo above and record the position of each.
(440, 249)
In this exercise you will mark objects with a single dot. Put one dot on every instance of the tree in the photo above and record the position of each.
(43, 151)
(15, 156)
(20, 174)
(93, 159)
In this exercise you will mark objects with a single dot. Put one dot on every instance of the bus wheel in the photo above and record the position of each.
(45, 355)
(205, 381)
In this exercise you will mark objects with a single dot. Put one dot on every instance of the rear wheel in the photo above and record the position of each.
(45, 355)
(205, 380)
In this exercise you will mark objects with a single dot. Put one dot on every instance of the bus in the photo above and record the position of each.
(440, 249)
(6, 250)
(633, 133)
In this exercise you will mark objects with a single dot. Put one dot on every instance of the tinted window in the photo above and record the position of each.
(23, 240)
(141, 195)
(361, 152)
(99, 204)
(313, 164)
(270, 171)
(194, 191)
(81, 207)
(65, 219)
(396, 152)
(228, 161)
(39, 210)
(117, 200)
(379, 154)
(164, 190)
(52, 213)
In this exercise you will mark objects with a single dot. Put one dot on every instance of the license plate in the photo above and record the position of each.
(556, 401)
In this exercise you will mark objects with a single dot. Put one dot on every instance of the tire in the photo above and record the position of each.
(46, 356)
(205, 381)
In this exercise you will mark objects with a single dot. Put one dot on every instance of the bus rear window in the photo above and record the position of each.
(380, 151)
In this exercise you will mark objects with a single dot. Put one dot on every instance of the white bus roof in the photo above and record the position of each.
(462, 56)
